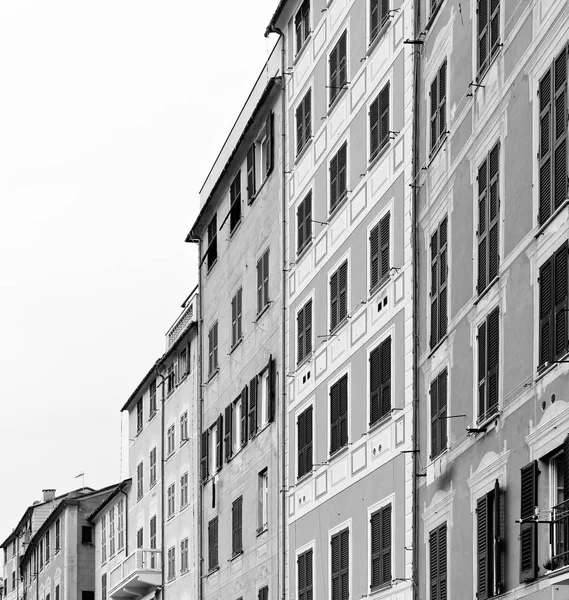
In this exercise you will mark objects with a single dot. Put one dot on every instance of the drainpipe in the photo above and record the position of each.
(200, 423)
(125, 521)
(162, 463)
(273, 29)
(415, 255)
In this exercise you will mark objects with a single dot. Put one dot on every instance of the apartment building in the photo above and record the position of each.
(493, 229)
(147, 535)
(239, 236)
(349, 284)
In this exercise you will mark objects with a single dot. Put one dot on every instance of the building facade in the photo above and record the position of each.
(493, 225)
(239, 232)
(349, 286)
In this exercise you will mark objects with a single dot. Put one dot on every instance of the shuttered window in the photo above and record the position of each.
(304, 331)
(212, 242)
(439, 276)
(488, 369)
(528, 529)
(304, 572)
(263, 593)
(302, 24)
(237, 526)
(235, 200)
(228, 433)
(380, 531)
(244, 415)
(251, 175)
(237, 317)
(212, 535)
(339, 296)
(379, 263)
(304, 223)
(438, 106)
(218, 442)
(263, 282)
(212, 349)
(139, 480)
(378, 15)
(338, 65)
(340, 550)
(488, 520)
(338, 176)
(488, 33)
(339, 414)
(268, 146)
(553, 138)
(488, 218)
(304, 442)
(380, 382)
(438, 562)
(553, 307)
(103, 587)
(253, 388)
(439, 414)
(379, 123)
(205, 455)
(303, 122)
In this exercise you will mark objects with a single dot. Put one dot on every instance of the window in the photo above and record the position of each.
(152, 392)
(488, 544)
(41, 554)
(139, 408)
(13, 581)
(528, 530)
(378, 15)
(379, 263)
(153, 467)
(304, 331)
(380, 382)
(263, 593)
(211, 252)
(212, 349)
(338, 176)
(380, 534)
(103, 539)
(488, 356)
(304, 574)
(553, 138)
(303, 122)
(237, 526)
(304, 223)
(439, 414)
(204, 458)
(263, 497)
(111, 532)
(171, 378)
(237, 317)
(339, 296)
(251, 175)
(263, 282)
(171, 439)
(438, 562)
(57, 534)
(304, 442)
(182, 364)
(553, 289)
(139, 480)
(171, 563)
(439, 272)
(48, 545)
(235, 199)
(140, 538)
(379, 123)
(184, 427)
(212, 530)
(120, 527)
(338, 64)
(438, 106)
(153, 542)
(239, 420)
(216, 437)
(268, 146)
(87, 595)
(302, 24)
(57, 593)
(488, 221)
(183, 490)
(171, 499)
(184, 555)
(340, 561)
(488, 33)
(87, 535)
(339, 414)
(261, 409)
(103, 587)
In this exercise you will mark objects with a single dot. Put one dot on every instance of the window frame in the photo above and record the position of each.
(263, 501)
(492, 50)
(304, 224)
(439, 267)
(438, 108)
(337, 88)
(379, 554)
(302, 593)
(303, 123)
(184, 555)
(263, 281)
(333, 451)
(304, 348)
(437, 531)
(302, 18)
(139, 480)
(308, 446)
(383, 138)
(334, 202)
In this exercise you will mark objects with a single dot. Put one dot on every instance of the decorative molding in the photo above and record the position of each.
(550, 431)
(439, 511)
(491, 467)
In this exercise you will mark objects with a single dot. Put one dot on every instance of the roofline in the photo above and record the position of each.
(119, 488)
(271, 26)
(192, 235)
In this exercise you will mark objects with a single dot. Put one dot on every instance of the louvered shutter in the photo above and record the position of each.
(442, 274)
(308, 328)
(213, 544)
(560, 131)
(307, 117)
(374, 257)
(308, 218)
(434, 111)
(560, 299)
(260, 304)
(234, 320)
(442, 98)
(384, 240)
(373, 19)
(334, 418)
(244, 416)
(482, 226)
(299, 127)
(434, 289)
(566, 468)
(308, 571)
(308, 439)
(493, 195)
(335, 566)
(253, 407)
(227, 438)
(546, 312)
(374, 386)
(442, 550)
(342, 291)
(333, 62)
(301, 442)
(205, 455)
(482, 383)
(343, 60)
(386, 544)
(270, 158)
(298, 30)
(237, 526)
(434, 564)
(497, 538)
(483, 33)
(545, 134)
(374, 128)
(482, 516)
(300, 335)
(345, 564)
(210, 351)
(334, 301)
(434, 418)
(251, 173)
(528, 530)
(376, 571)
(385, 351)
(272, 396)
(301, 237)
(343, 429)
(266, 278)
(219, 437)
(342, 170)
(493, 333)
(301, 570)
(384, 116)
(442, 411)
(333, 182)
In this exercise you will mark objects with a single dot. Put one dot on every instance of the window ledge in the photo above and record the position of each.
(433, 15)
(487, 420)
(304, 361)
(340, 325)
(302, 252)
(215, 372)
(332, 105)
(153, 484)
(304, 477)
(252, 199)
(379, 153)
(170, 517)
(236, 345)
(235, 227)
(437, 345)
(209, 269)
(487, 289)
(378, 36)
(543, 227)
(260, 530)
(235, 555)
(300, 154)
(184, 442)
(437, 147)
(301, 50)
(550, 366)
(152, 415)
(482, 73)
(212, 571)
(339, 452)
(265, 309)
(183, 508)
(380, 587)
(384, 420)
(378, 287)
(339, 203)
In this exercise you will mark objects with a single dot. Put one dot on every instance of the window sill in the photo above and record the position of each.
(183, 508)
(210, 267)
(170, 517)
(339, 452)
(378, 36)
(383, 420)
(262, 529)
(332, 105)
(304, 361)
(437, 345)
(438, 455)
(263, 311)
(340, 325)
(300, 153)
(212, 375)
(487, 289)
(433, 15)
(152, 415)
(212, 571)
(301, 50)
(550, 366)
(543, 227)
(153, 484)
(251, 199)
(485, 421)
(380, 587)
(184, 442)
(235, 227)
(139, 431)
(236, 345)
(379, 153)
(437, 147)
(235, 555)
(378, 287)
(339, 203)
(482, 72)
(305, 477)
(302, 252)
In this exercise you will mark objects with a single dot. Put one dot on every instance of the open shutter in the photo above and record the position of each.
(299, 127)
(442, 98)
(442, 410)
(434, 418)
(384, 116)
(482, 371)
(343, 428)
(374, 134)
(300, 335)
(384, 230)
(251, 173)
(483, 550)
(265, 278)
(483, 35)
(219, 447)
(493, 205)
(227, 438)
(374, 386)
(434, 289)
(334, 301)
(385, 351)
(434, 111)
(307, 117)
(528, 529)
(545, 135)
(373, 19)
(333, 182)
(560, 299)
(374, 266)
(566, 468)
(270, 126)
(342, 170)
(272, 388)
(442, 273)
(345, 564)
(204, 455)
(434, 564)
(375, 526)
(244, 416)
(386, 544)
(343, 291)
(334, 418)
(260, 304)
(560, 131)
(482, 226)
(342, 60)
(546, 313)
(497, 538)
(253, 407)
(308, 328)
(308, 439)
(301, 443)
(335, 566)
(493, 333)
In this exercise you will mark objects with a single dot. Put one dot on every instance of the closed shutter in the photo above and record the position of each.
(308, 328)
(384, 246)
(380, 524)
(227, 438)
(333, 182)
(218, 442)
(342, 61)
(269, 128)
(442, 98)
(493, 195)
(497, 536)
(434, 289)
(384, 116)
(251, 188)
(301, 443)
(334, 418)
(374, 128)
(342, 292)
(300, 235)
(272, 392)
(234, 336)
(343, 411)
(340, 565)
(244, 416)
(263, 593)
(374, 386)
(334, 66)
(528, 529)
(566, 468)
(103, 588)
(385, 358)
(434, 393)
(483, 34)
(237, 529)
(300, 335)
(546, 313)
(560, 130)
(434, 94)
(304, 566)
(373, 19)
(493, 361)
(482, 383)
(307, 117)
(442, 274)
(482, 518)
(438, 562)
(482, 227)
(345, 564)
(560, 298)
(442, 410)
(213, 544)
(374, 267)
(205, 455)
(342, 170)
(253, 407)
(545, 134)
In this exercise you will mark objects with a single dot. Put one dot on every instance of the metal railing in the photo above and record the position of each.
(140, 560)
(560, 535)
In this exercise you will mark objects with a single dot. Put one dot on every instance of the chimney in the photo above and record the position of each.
(48, 495)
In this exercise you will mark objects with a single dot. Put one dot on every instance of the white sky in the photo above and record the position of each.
(111, 115)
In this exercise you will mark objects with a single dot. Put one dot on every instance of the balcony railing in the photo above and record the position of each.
(560, 534)
(139, 572)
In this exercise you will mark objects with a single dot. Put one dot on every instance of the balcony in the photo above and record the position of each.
(137, 575)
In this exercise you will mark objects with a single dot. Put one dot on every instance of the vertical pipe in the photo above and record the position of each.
(200, 421)
(162, 463)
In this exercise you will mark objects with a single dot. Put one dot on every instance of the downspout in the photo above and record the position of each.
(125, 517)
(162, 463)
(415, 255)
(273, 29)
(200, 424)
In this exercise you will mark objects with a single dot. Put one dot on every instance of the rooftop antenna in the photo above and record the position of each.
(82, 475)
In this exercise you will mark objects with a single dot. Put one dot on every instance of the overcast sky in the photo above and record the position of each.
(111, 115)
